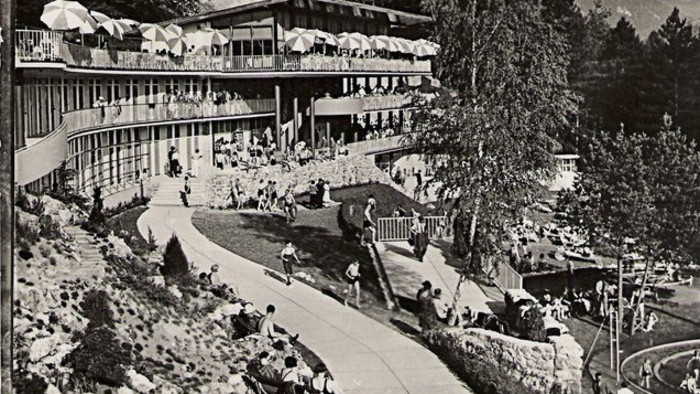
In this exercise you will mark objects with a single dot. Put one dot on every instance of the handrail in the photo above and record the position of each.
(376, 146)
(399, 228)
(120, 115)
(506, 276)
(45, 45)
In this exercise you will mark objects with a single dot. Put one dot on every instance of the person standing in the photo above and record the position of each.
(187, 190)
(421, 239)
(645, 372)
(352, 274)
(261, 195)
(273, 196)
(320, 189)
(419, 180)
(367, 224)
(313, 189)
(290, 207)
(287, 254)
(176, 162)
(598, 387)
(196, 163)
(693, 365)
(171, 169)
(326, 200)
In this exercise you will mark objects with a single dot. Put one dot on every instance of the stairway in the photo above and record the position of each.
(168, 193)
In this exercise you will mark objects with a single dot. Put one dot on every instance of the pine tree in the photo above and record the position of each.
(175, 263)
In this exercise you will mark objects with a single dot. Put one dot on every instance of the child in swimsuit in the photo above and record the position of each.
(287, 254)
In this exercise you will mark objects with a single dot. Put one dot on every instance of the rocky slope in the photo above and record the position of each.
(90, 316)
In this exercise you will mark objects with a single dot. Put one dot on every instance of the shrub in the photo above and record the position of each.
(533, 325)
(37, 208)
(25, 382)
(97, 217)
(25, 232)
(96, 308)
(99, 357)
(174, 260)
(49, 228)
(152, 245)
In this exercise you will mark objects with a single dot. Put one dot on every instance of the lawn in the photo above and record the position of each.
(126, 221)
(326, 242)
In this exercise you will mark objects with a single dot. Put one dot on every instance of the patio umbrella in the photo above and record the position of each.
(404, 46)
(178, 45)
(174, 29)
(64, 15)
(354, 41)
(89, 26)
(129, 22)
(153, 32)
(99, 17)
(115, 28)
(299, 40)
(380, 42)
(430, 47)
(422, 50)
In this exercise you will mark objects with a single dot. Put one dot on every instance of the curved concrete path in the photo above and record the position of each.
(363, 355)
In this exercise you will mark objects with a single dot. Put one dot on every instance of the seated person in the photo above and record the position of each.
(322, 382)
(560, 309)
(267, 328)
(689, 384)
(291, 378)
(441, 308)
(263, 371)
(246, 322)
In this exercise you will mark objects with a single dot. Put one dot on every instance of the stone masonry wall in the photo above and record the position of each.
(346, 171)
(494, 363)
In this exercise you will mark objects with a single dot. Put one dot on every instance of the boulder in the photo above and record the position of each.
(42, 347)
(157, 280)
(51, 389)
(139, 382)
(175, 291)
(125, 390)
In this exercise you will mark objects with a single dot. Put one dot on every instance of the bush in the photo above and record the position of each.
(25, 232)
(175, 262)
(25, 382)
(49, 228)
(533, 325)
(96, 309)
(97, 217)
(99, 357)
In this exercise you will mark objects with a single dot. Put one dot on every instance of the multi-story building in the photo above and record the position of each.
(103, 107)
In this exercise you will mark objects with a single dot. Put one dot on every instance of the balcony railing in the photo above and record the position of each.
(399, 228)
(393, 101)
(87, 57)
(40, 45)
(34, 161)
(368, 147)
(115, 116)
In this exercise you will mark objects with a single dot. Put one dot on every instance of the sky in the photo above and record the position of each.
(647, 15)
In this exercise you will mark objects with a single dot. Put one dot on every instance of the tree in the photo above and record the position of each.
(643, 187)
(671, 84)
(175, 263)
(491, 145)
(97, 217)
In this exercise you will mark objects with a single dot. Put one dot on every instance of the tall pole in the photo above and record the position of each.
(7, 186)
(295, 122)
(618, 329)
(278, 116)
(312, 112)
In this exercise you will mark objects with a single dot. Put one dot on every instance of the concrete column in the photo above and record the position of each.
(278, 116)
(328, 133)
(312, 112)
(211, 133)
(295, 135)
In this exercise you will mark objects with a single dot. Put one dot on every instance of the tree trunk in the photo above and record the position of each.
(468, 261)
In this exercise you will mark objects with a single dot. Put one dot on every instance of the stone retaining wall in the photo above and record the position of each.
(491, 362)
(346, 171)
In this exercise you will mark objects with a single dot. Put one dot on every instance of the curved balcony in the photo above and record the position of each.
(358, 105)
(34, 46)
(382, 145)
(113, 116)
(41, 158)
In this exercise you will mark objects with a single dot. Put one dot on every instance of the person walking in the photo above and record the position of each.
(645, 372)
(287, 254)
(171, 168)
(196, 163)
(290, 206)
(326, 199)
(421, 239)
(352, 274)
(261, 195)
(313, 190)
(187, 190)
(367, 224)
(176, 162)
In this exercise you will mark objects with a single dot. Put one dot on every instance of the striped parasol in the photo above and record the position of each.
(65, 15)
(178, 45)
(381, 42)
(174, 29)
(299, 40)
(154, 32)
(89, 26)
(354, 41)
(115, 28)
(99, 17)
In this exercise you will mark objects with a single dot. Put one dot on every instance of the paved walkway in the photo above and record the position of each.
(406, 274)
(363, 355)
